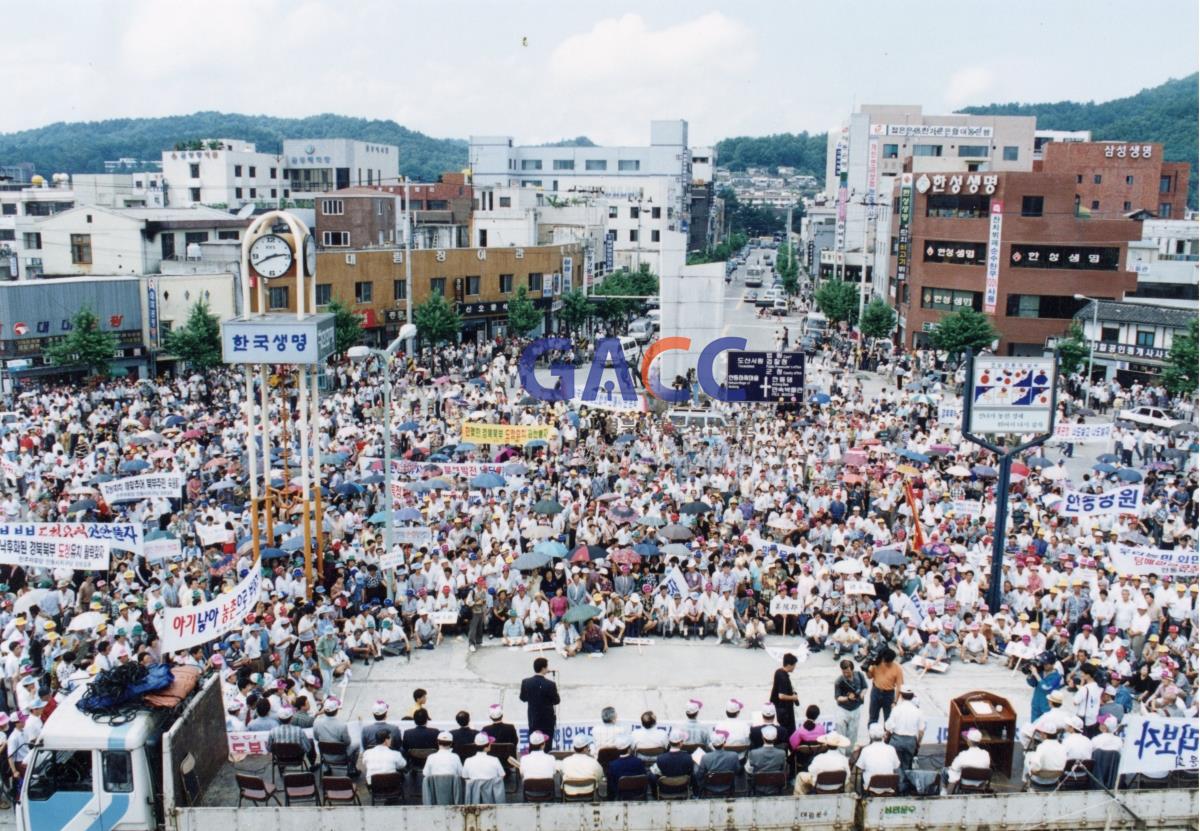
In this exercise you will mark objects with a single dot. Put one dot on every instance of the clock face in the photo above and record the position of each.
(310, 256)
(271, 256)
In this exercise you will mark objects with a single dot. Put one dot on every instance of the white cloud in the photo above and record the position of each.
(970, 86)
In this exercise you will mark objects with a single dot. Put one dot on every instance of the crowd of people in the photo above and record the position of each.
(854, 523)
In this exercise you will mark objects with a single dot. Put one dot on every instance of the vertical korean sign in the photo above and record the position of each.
(152, 311)
(992, 288)
(608, 254)
(872, 177)
(568, 273)
(904, 242)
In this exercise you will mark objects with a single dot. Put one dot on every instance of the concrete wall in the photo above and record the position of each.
(693, 306)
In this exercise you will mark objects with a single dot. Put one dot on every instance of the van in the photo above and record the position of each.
(754, 277)
(689, 417)
(629, 348)
(655, 318)
(816, 324)
(642, 329)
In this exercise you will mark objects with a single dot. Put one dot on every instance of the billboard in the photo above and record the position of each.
(1011, 395)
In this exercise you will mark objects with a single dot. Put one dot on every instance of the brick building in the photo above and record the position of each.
(1046, 255)
(354, 218)
(477, 282)
(441, 210)
(1115, 178)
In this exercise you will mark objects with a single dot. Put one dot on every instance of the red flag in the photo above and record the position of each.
(918, 535)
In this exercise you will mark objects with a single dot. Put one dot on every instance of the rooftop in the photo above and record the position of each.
(1113, 311)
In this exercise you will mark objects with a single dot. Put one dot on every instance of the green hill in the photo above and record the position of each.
(802, 151)
(1165, 113)
(83, 147)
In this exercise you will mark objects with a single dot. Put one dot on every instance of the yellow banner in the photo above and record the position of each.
(515, 434)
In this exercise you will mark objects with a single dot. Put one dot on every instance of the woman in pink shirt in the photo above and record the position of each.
(810, 730)
(558, 606)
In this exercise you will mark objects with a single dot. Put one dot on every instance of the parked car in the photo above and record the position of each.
(1155, 417)
(688, 417)
(642, 329)
(750, 296)
(779, 308)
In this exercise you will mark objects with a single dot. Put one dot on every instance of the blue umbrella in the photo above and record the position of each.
(439, 457)
(464, 447)
(102, 477)
(438, 484)
(1039, 462)
(646, 549)
(1128, 474)
(1104, 468)
(133, 466)
(333, 458)
(515, 469)
(277, 482)
(273, 553)
(551, 548)
(820, 398)
(913, 456)
(1108, 458)
(537, 443)
(419, 486)
(174, 421)
(373, 479)
(349, 489)
(983, 471)
(223, 485)
(406, 426)
(378, 518)
(283, 528)
(889, 557)
(409, 515)
(487, 481)
(530, 561)
(292, 543)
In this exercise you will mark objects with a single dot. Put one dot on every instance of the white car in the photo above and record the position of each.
(1149, 417)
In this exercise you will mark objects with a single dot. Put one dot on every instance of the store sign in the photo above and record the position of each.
(957, 183)
(1129, 350)
(931, 130)
(608, 254)
(872, 176)
(954, 253)
(904, 243)
(1070, 257)
(568, 273)
(991, 290)
(152, 311)
(278, 339)
(1132, 151)
(1011, 395)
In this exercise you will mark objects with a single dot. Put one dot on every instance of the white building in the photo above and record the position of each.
(1167, 262)
(704, 164)
(120, 190)
(1131, 341)
(647, 187)
(321, 165)
(1043, 137)
(226, 173)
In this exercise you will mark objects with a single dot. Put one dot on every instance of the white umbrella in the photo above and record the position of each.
(782, 523)
(540, 532)
(1055, 474)
(85, 621)
(847, 567)
(30, 598)
(958, 470)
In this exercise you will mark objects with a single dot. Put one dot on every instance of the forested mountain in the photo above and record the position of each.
(802, 151)
(84, 146)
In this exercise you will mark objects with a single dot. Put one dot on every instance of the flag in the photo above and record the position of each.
(676, 585)
(918, 535)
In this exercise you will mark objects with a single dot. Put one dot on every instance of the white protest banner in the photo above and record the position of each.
(1140, 561)
(1157, 744)
(187, 627)
(10, 469)
(966, 507)
(1126, 499)
(134, 488)
(416, 536)
(39, 552)
(786, 606)
(1082, 433)
(211, 534)
(949, 414)
(127, 536)
(676, 585)
(610, 403)
(403, 467)
(164, 548)
(859, 587)
(448, 617)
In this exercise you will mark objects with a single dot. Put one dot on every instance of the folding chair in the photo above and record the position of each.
(830, 781)
(974, 780)
(770, 783)
(285, 755)
(387, 789)
(718, 785)
(633, 788)
(332, 753)
(537, 790)
(339, 790)
(883, 784)
(300, 787)
(674, 787)
(586, 790)
(255, 789)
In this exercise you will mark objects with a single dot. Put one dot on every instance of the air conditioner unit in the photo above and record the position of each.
(350, 259)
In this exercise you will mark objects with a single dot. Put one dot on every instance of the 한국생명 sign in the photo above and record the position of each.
(278, 339)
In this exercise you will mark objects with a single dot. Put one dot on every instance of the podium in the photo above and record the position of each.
(992, 716)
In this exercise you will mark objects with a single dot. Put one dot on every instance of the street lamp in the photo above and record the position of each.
(385, 356)
(1091, 340)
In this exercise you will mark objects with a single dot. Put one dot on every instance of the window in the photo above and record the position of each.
(927, 149)
(1079, 178)
(483, 237)
(1145, 337)
(399, 290)
(506, 283)
(535, 281)
(253, 172)
(363, 291)
(8, 235)
(277, 297)
(166, 242)
(57, 771)
(194, 171)
(237, 193)
(1110, 334)
(633, 235)
(564, 164)
(1097, 179)
(117, 770)
(230, 235)
(595, 164)
(473, 286)
(633, 212)
(972, 151)
(332, 207)
(253, 193)
(1164, 210)
(531, 164)
(33, 242)
(656, 213)
(654, 236)
(1032, 205)
(950, 300)
(1011, 153)
(335, 239)
(1164, 184)
(505, 201)
(1095, 204)
(237, 170)
(1061, 307)
(273, 176)
(274, 193)
(1129, 180)
(8, 209)
(81, 249)
(324, 294)
(1127, 205)
(437, 285)
(194, 194)
(437, 205)
(612, 211)
(628, 165)
(891, 151)
(956, 206)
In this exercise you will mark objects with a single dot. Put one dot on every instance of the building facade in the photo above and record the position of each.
(1131, 341)
(225, 173)
(1116, 178)
(441, 211)
(1006, 244)
(356, 218)
(1167, 263)
(317, 166)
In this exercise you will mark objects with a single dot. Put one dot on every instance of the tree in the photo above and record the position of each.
(523, 318)
(878, 320)
(347, 326)
(837, 300)
(640, 283)
(788, 268)
(576, 309)
(197, 342)
(436, 321)
(86, 346)
(1072, 350)
(1180, 375)
(967, 329)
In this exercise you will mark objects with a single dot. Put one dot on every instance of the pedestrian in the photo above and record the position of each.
(540, 695)
(783, 696)
(886, 677)
(848, 692)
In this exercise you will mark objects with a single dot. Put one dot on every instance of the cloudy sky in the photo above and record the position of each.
(546, 70)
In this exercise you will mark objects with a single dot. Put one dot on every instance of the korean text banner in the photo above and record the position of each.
(1157, 744)
(1138, 560)
(127, 536)
(1123, 500)
(191, 626)
(403, 467)
(1082, 433)
(164, 548)
(147, 486)
(515, 434)
(40, 552)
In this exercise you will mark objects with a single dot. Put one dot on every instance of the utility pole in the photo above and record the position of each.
(408, 284)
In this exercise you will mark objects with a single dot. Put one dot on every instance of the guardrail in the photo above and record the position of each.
(1163, 810)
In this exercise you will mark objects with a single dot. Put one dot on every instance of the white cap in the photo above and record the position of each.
(973, 735)
(482, 739)
(769, 733)
(445, 737)
(581, 741)
(380, 708)
(495, 712)
(693, 706)
(718, 738)
(537, 737)
(768, 711)
(678, 736)
(733, 706)
(331, 705)
(875, 730)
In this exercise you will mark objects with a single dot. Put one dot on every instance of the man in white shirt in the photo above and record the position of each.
(906, 727)
(381, 758)
(1087, 700)
(1077, 746)
(445, 761)
(1047, 762)
(973, 757)
(877, 758)
(482, 765)
(737, 731)
(537, 764)
(829, 761)
(580, 766)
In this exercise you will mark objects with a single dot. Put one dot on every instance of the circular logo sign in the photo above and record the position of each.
(923, 183)
(20, 328)
(310, 149)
